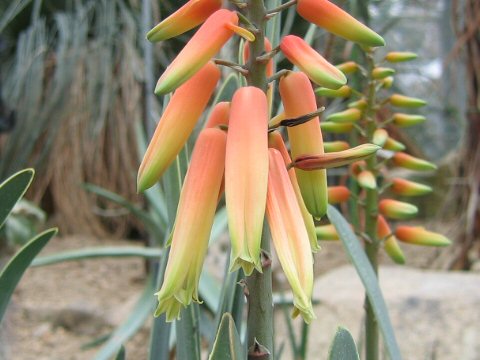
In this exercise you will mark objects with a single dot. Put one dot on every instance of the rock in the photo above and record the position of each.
(434, 314)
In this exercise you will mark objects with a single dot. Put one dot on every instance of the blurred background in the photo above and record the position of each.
(77, 104)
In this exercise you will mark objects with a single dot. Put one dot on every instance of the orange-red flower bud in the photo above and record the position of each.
(206, 42)
(405, 120)
(417, 235)
(219, 115)
(289, 235)
(299, 99)
(395, 209)
(192, 232)
(176, 124)
(413, 163)
(406, 101)
(190, 15)
(329, 16)
(338, 194)
(390, 243)
(346, 116)
(319, 70)
(409, 188)
(246, 175)
(335, 159)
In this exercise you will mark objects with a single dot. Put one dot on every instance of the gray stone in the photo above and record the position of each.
(434, 314)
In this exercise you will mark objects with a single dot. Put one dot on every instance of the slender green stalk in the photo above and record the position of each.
(259, 285)
(371, 213)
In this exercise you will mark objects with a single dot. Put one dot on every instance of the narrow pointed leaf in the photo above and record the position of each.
(12, 190)
(227, 344)
(343, 346)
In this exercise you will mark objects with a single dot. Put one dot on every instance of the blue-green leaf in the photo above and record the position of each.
(369, 279)
(13, 271)
(121, 354)
(188, 333)
(12, 190)
(227, 344)
(98, 252)
(343, 346)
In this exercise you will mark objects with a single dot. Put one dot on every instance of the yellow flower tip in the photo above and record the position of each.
(395, 209)
(406, 101)
(289, 234)
(319, 70)
(406, 161)
(187, 104)
(348, 67)
(382, 72)
(336, 128)
(417, 235)
(359, 104)
(245, 195)
(343, 92)
(329, 16)
(331, 146)
(346, 116)
(393, 145)
(190, 15)
(199, 195)
(335, 159)
(404, 187)
(338, 194)
(305, 310)
(367, 180)
(405, 120)
(400, 56)
(387, 83)
(240, 31)
(390, 244)
(204, 44)
(380, 137)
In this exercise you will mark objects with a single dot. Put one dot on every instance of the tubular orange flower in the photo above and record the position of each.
(319, 70)
(338, 194)
(409, 188)
(390, 243)
(327, 233)
(399, 56)
(268, 48)
(417, 235)
(176, 124)
(335, 159)
(331, 146)
(406, 101)
(367, 180)
(299, 99)
(219, 115)
(275, 141)
(404, 120)
(346, 116)
(290, 236)
(190, 15)
(206, 42)
(191, 233)
(380, 137)
(246, 176)
(329, 16)
(395, 209)
(413, 163)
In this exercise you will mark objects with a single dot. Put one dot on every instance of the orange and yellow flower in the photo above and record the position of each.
(191, 233)
(418, 235)
(176, 124)
(246, 176)
(390, 243)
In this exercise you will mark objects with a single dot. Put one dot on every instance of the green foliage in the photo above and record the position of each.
(227, 344)
(343, 346)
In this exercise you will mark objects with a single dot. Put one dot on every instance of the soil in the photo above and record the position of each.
(58, 310)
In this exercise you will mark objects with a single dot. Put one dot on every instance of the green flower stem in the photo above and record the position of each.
(259, 285)
(371, 213)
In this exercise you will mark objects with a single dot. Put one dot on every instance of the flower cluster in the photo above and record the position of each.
(364, 113)
(240, 152)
